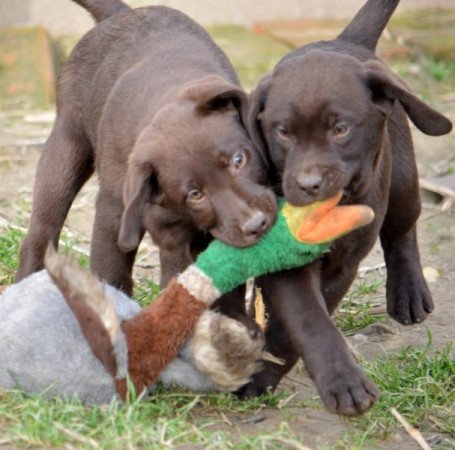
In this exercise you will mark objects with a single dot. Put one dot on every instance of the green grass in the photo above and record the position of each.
(418, 382)
(355, 309)
(9, 246)
(10, 240)
(145, 292)
(167, 419)
(441, 71)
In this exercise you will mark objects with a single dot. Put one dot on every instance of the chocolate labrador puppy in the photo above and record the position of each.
(331, 117)
(149, 100)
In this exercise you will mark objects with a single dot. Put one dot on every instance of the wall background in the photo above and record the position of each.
(62, 17)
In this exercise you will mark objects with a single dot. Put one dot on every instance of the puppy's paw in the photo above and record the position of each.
(264, 381)
(259, 385)
(349, 393)
(409, 300)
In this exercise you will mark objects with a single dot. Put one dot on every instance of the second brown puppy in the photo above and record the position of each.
(331, 117)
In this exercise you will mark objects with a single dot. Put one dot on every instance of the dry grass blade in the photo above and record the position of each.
(76, 436)
(267, 356)
(413, 432)
(364, 270)
(259, 307)
(373, 311)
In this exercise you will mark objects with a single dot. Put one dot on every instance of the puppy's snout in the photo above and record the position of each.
(255, 225)
(309, 184)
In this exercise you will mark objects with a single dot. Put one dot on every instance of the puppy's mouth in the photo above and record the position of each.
(354, 190)
(346, 196)
(304, 186)
(238, 238)
(248, 230)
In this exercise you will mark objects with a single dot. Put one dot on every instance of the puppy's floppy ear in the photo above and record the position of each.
(140, 186)
(257, 103)
(214, 94)
(387, 87)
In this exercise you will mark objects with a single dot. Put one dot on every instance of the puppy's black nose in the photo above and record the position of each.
(310, 185)
(256, 224)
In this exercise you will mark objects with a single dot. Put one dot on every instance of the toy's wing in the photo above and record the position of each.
(95, 311)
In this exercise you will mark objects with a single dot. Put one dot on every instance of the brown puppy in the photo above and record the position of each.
(148, 99)
(332, 117)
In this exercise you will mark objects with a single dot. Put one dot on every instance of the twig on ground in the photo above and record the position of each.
(377, 310)
(363, 270)
(355, 353)
(225, 419)
(413, 432)
(296, 380)
(372, 311)
(76, 436)
(286, 401)
(5, 223)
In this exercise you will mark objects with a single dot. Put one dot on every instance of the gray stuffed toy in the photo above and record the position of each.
(61, 340)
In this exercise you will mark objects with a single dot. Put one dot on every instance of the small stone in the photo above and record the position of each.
(431, 274)
(360, 337)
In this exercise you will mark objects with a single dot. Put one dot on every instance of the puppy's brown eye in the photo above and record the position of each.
(238, 160)
(282, 132)
(195, 195)
(340, 130)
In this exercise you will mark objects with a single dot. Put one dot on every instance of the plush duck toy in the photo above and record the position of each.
(177, 339)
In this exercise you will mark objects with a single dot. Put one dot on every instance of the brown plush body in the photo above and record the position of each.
(331, 117)
(155, 336)
(150, 101)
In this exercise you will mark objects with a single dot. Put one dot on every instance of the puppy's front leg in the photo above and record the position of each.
(174, 261)
(297, 299)
(107, 260)
(278, 344)
(408, 297)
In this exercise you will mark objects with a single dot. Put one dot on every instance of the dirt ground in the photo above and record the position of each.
(20, 145)
(22, 135)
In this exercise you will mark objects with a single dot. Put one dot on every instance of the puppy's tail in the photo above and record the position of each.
(367, 25)
(103, 9)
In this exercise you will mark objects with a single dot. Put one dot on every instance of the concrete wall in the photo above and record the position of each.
(62, 17)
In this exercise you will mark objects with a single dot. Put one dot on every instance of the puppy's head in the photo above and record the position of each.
(321, 120)
(196, 161)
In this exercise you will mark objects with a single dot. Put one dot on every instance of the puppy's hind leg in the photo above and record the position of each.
(408, 297)
(64, 166)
